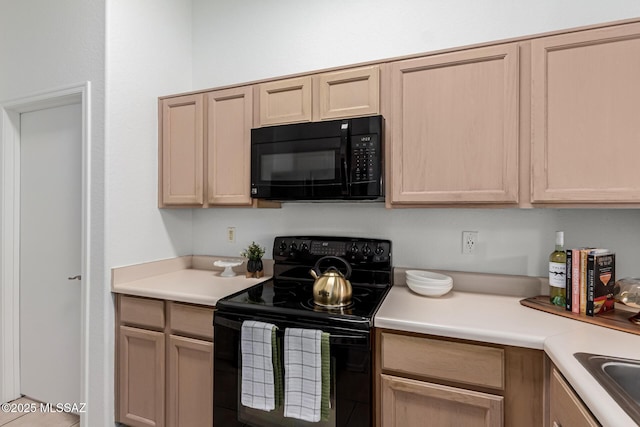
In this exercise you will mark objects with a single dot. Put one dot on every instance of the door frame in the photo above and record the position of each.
(10, 230)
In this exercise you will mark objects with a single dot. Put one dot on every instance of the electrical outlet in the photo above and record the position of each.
(469, 242)
(231, 234)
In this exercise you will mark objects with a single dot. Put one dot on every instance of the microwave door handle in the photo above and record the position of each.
(345, 171)
(344, 148)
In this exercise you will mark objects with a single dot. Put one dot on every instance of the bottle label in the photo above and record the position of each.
(558, 274)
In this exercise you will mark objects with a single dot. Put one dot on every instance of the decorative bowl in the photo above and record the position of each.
(427, 276)
(429, 291)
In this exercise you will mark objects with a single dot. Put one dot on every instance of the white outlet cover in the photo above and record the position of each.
(469, 242)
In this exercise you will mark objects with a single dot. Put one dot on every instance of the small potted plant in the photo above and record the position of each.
(254, 253)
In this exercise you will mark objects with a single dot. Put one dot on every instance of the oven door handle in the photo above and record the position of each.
(334, 339)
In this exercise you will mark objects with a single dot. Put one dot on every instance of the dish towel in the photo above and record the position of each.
(307, 378)
(258, 347)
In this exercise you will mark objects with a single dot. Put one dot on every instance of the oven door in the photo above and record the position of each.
(309, 169)
(351, 376)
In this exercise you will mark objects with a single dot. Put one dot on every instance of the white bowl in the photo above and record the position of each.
(429, 291)
(427, 276)
(429, 286)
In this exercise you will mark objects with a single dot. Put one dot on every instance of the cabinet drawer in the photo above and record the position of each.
(191, 320)
(142, 312)
(446, 360)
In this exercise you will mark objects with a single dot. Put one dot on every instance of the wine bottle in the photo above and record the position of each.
(558, 272)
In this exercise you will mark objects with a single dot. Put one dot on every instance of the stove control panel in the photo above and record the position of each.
(354, 250)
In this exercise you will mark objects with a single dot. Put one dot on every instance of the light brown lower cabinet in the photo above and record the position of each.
(407, 402)
(141, 372)
(565, 407)
(190, 382)
(429, 380)
(164, 363)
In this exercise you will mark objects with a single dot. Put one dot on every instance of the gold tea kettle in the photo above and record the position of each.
(332, 289)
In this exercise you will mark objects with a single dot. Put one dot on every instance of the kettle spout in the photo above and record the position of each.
(313, 273)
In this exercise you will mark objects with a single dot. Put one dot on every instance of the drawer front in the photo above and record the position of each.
(450, 361)
(191, 320)
(142, 312)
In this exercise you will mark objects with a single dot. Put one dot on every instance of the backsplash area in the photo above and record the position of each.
(510, 241)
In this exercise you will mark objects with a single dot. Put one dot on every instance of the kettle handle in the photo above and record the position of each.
(316, 268)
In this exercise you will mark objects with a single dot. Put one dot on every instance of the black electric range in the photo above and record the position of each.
(289, 292)
(286, 301)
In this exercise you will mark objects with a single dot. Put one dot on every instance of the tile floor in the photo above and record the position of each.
(36, 419)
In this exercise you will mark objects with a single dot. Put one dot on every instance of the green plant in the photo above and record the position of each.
(253, 252)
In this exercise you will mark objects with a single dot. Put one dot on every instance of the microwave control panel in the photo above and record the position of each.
(365, 158)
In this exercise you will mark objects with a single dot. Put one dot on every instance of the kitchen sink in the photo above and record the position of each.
(619, 377)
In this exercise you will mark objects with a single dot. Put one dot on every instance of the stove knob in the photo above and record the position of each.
(304, 247)
(379, 250)
(293, 247)
(353, 249)
(283, 246)
(366, 250)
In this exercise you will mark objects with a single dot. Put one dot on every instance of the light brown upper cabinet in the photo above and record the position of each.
(585, 138)
(332, 95)
(181, 151)
(229, 122)
(285, 101)
(217, 173)
(454, 128)
(346, 93)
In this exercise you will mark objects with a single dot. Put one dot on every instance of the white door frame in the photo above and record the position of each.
(10, 230)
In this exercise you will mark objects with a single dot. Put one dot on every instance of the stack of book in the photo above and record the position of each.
(590, 280)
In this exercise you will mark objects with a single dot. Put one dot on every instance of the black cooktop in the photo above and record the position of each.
(290, 298)
(289, 292)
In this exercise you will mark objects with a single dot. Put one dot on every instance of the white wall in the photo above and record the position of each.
(148, 55)
(236, 41)
(250, 40)
(46, 45)
(511, 241)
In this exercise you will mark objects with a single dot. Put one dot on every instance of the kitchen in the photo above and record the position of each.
(185, 45)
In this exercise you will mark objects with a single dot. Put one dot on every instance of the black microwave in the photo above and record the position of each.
(330, 160)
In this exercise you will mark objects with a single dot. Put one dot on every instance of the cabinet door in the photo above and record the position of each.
(409, 403)
(141, 377)
(347, 93)
(585, 94)
(181, 151)
(565, 408)
(190, 384)
(285, 101)
(229, 121)
(454, 135)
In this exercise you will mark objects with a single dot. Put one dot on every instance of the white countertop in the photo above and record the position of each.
(204, 287)
(472, 316)
(503, 320)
